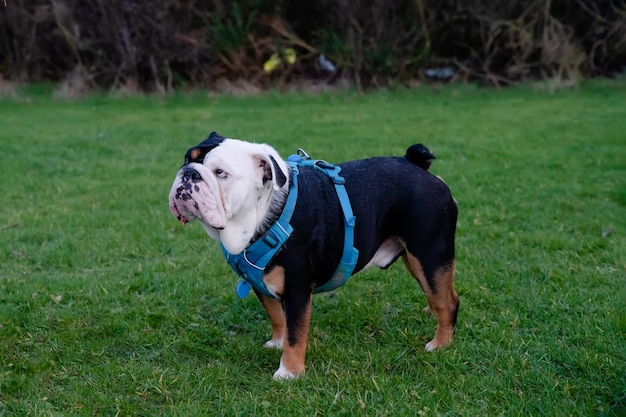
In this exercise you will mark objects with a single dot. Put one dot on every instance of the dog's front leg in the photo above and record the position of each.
(297, 308)
(274, 309)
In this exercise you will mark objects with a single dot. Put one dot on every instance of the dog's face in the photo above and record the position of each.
(227, 185)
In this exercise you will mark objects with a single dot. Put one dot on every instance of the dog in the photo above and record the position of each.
(238, 190)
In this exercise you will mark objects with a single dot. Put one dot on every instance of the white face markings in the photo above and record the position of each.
(195, 194)
(232, 195)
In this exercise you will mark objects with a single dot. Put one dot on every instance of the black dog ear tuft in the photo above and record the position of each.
(270, 170)
(197, 153)
(280, 176)
(420, 155)
(215, 137)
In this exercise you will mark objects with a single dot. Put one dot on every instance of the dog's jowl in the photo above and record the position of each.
(293, 228)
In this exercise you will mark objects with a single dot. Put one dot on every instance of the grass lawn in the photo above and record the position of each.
(108, 306)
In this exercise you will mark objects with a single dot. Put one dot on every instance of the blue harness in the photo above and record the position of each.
(250, 264)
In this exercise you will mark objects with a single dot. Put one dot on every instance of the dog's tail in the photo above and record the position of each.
(420, 156)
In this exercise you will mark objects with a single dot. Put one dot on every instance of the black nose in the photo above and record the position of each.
(190, 174)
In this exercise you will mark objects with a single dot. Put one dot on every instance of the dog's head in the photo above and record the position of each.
(229, 185)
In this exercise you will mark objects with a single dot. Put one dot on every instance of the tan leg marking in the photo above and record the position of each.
(275, 281)
(443, 300)
(292, 361)
(274, 310)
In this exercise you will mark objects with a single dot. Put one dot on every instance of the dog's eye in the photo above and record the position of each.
(220, 173)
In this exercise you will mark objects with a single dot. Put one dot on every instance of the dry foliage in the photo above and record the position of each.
(132, 45)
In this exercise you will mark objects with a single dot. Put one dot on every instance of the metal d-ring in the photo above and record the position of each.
(303, 154)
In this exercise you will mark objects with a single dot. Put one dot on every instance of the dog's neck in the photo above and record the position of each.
(241, 231)
(269, 211)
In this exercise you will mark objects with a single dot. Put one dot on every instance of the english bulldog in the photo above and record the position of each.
(238, 190)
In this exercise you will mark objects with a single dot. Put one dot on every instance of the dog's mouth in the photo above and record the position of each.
(182, 205)
(193, 197)
(180, 217)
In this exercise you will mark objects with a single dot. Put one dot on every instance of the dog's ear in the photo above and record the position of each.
(198, 152)
(270, 170)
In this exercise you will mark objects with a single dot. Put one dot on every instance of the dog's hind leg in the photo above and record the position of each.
(443, 301)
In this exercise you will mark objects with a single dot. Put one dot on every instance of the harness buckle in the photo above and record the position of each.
(331, 170)
(270, 240)
(324, 165)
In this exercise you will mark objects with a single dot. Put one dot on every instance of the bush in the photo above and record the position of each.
(162, 44)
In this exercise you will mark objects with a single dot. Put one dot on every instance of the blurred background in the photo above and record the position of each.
(250, 45)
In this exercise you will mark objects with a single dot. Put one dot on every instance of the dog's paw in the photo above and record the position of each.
(274, 344)
(428, 310)
(284, 375)
(436, 345)
(431, 346)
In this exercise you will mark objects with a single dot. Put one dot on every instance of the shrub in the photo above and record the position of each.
(162, 44)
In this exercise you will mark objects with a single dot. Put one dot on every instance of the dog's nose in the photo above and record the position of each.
(190, 174)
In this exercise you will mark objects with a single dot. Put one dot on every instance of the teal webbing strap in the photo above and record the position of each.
(350, 254)
(251, 263)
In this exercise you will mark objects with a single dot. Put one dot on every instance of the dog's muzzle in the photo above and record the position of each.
(194, 196)
(189, 174)
(181, 193)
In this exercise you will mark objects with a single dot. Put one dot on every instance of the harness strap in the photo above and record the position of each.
(350, 253)
(251, 263)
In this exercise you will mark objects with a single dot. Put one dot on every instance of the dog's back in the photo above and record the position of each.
(403, 200)
(401, 210)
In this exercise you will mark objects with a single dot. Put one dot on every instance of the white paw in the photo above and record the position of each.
(430, 346)
(282, 374)
(274, 344)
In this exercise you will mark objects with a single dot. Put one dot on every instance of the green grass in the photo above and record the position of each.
(109, 307)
